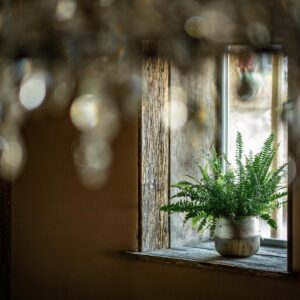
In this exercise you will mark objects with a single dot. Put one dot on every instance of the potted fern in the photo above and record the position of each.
(230, 200)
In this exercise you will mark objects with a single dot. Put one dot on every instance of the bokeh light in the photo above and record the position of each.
(33, 91)
(175, 114)
(86, 56)
(85, 111)
(292, 170)
(93, 158)
(65, 9)
(12, 154)
(197, 27)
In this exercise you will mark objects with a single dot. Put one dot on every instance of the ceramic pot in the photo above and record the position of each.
(238, 237)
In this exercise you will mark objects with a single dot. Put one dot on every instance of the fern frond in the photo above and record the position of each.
(252, 189)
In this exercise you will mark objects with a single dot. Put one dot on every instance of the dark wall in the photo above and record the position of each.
(5, 242)
(66, 240)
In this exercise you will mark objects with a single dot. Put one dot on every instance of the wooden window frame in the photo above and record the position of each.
(154, 225)
(276, 51)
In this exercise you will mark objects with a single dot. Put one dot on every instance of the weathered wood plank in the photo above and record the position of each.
(5, 245)
(278, 128)
(261, 264)
(154, 154)
(259, 261)
(263, 250)
(293, 153)
(188, 144)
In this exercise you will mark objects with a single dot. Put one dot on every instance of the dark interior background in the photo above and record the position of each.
(66, 240)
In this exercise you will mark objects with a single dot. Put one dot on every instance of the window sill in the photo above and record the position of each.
(268, 262)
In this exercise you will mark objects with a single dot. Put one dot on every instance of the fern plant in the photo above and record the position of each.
(251, 188)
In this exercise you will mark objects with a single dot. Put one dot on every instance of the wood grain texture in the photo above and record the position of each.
(189, 143)
(293, 242)
(5, 245)
(277, 127)
(154, 155)
(268, 262)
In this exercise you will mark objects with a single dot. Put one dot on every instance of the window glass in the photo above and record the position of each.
(257, 88)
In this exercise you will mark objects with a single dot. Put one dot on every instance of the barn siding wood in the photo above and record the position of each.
(189, 143)
(154, 155)
(268, 262)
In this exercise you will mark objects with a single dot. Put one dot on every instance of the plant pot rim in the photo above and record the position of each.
(238, 220)
(237, 217)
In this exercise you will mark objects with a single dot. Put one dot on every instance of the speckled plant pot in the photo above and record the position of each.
(239, 237)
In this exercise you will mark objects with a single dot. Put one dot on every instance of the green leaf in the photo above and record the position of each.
(269, 220)
(250, 189)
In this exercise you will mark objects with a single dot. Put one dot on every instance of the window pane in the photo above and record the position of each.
(257, 85)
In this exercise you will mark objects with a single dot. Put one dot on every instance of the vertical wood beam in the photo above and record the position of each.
(294, 183)
(154, 155)
(276, 120)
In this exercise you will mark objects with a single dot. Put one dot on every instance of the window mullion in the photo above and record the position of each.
(225, 82)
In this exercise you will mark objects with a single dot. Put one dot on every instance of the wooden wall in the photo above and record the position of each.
(66, 240)
(189, 143)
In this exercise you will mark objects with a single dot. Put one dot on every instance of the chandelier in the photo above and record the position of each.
(85, 57)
